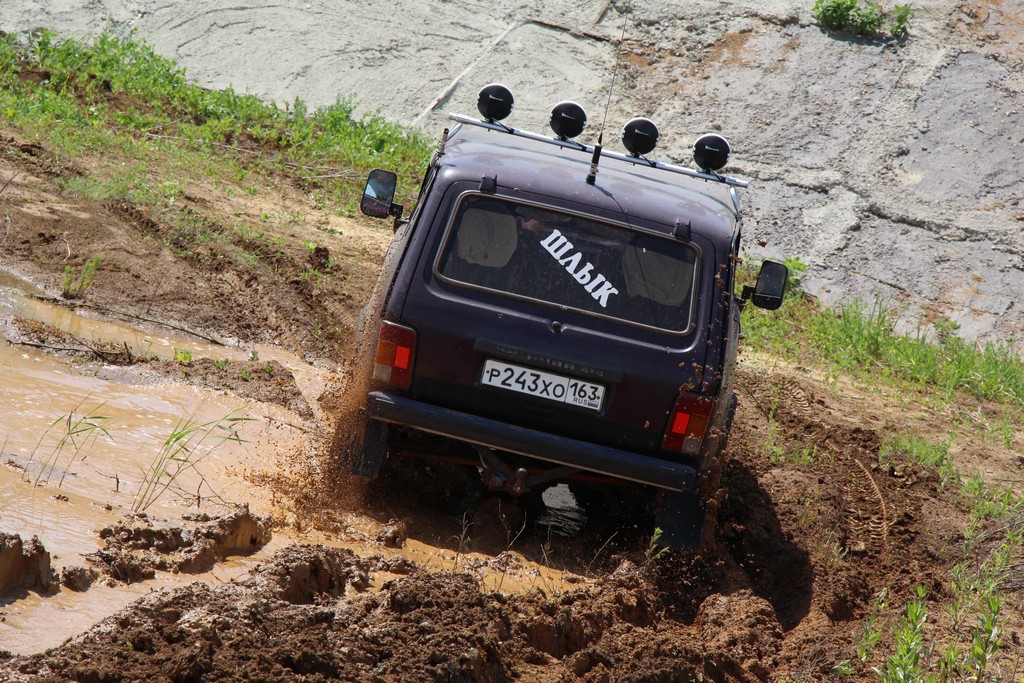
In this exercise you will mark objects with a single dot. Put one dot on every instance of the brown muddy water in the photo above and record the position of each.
(63, 489)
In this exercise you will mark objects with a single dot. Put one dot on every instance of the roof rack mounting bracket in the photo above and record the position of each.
(681, 231)
(489, 184)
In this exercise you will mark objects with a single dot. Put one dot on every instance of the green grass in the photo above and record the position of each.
(84, 98)
(913, 447)
(861, 339)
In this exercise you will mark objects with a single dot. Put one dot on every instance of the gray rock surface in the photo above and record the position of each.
(893, 170)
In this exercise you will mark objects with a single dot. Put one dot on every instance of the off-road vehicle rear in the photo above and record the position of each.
(557, 312)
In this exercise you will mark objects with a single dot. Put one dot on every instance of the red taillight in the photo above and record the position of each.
(396, 346)
(687, 424)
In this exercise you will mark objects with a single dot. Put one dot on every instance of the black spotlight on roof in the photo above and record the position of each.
(640, 136)
(711, 152)
(568, 120)
(495, 102)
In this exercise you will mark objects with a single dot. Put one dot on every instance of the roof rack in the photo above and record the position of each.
(572, 144)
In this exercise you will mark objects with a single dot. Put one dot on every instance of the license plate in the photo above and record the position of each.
(542, 384)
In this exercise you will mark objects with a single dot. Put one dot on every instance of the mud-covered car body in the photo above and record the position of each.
(558, 328)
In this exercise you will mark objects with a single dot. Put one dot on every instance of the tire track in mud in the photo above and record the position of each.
(869, 515)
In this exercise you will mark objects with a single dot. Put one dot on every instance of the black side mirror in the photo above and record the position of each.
(379, 194)
(770, 287)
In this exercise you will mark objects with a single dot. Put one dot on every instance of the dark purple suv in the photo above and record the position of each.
(559, 312)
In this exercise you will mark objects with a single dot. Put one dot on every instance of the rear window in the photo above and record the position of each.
(567, 260)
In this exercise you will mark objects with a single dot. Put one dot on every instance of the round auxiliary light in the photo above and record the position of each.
(495, 102)
(640, 136)
(568, 120)
(711, 152)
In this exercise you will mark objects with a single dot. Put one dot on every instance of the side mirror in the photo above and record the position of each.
(770, 287)
(379, 194)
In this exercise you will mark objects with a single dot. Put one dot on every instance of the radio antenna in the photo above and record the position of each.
(615, 74)
(596, 158)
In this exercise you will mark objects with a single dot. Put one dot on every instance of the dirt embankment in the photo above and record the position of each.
(890, 168)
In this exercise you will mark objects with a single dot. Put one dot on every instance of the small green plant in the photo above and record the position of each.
(843, 668)
(221, 365)
(254, 355)
(72, 432)
(188, 443)
(862, 17)
(985, 637)
(183, 356)
(655, 550)
(244, 375)
(898, 20)
(904, 664)
(872, 630)
(268, 369)
(965, 587)
(76, 284)
(1004, 429)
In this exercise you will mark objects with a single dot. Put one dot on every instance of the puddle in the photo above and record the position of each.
(17, 299)
(76, 440)
(75, 446)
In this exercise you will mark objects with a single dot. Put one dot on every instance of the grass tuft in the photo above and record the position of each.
(188, 443)
(77, 283)
(73, 432)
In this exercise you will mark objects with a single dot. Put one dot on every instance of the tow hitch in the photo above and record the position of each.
(501, 477)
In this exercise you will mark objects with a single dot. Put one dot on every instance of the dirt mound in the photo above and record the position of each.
(305, 574)
(23, 566)
(139, 547)
(744, 626)
(269, 382)
(301, 614)
(190, 269)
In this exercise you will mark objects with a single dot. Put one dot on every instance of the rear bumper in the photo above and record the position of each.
(552, 448)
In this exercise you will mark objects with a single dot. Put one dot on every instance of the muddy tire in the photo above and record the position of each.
(615, 509)
(359, 446)
(682, 521)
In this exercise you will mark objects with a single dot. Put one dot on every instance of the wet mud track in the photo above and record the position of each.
(801, 551)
